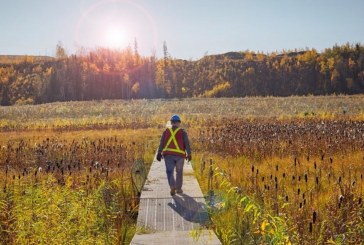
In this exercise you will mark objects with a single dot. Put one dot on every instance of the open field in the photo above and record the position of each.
(76, 182)
(153, 113)
(285, 169)
(306, 173)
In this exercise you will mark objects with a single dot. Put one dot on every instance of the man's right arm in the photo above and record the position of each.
(187, 145)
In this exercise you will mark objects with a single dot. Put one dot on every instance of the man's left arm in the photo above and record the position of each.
(160, 148)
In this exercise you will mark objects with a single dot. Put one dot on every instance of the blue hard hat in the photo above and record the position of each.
(175, 118)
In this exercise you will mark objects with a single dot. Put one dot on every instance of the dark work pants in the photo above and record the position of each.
(173, 162)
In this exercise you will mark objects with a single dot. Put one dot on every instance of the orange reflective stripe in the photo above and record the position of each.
(173, 137)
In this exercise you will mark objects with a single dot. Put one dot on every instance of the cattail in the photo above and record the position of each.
(300, 205)
(275, 179)
(360, 200)
(284, 175)
(341, 199)
(314, 217)
(306, 178)
(263, 179)
(299, 178)
(339, 180)
(298, 191)
(257, 171)
(271, 176)
(308, 158)
(277, 167)
(315, 165)
(317, 180)
(252, 168)
(293, 177)
(331, 160)
(310, 227)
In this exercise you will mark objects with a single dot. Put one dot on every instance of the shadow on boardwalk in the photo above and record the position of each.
(191, 210)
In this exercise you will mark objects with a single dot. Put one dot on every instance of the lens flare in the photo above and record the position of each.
(116, 37)
(95, 29)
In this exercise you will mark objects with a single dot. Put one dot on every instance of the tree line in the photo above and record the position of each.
(125, 74)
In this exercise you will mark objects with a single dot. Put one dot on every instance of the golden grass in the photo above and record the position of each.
(97, 205)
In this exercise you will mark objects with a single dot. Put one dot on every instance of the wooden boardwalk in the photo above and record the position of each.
(163, 219)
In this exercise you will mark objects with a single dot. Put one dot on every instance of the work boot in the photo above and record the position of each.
(179, 191)
(173, 191)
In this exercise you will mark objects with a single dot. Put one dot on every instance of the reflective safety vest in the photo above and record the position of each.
(173, 142)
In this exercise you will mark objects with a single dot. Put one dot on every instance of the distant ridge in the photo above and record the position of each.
(15, 59)
(110, 74)
(242, 55)
(228, 55)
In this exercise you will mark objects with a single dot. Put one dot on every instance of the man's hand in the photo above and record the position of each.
(189, 158)
(159, 157)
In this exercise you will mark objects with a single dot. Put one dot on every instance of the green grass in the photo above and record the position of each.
(46, 213)
(73, 202)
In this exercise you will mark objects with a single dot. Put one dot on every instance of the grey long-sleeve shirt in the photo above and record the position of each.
(185, 141)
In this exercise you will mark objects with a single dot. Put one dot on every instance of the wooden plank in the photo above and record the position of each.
(178, 219)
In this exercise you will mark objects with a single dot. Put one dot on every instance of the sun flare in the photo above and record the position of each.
(116, 37)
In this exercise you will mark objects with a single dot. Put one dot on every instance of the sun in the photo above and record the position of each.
(116, 37)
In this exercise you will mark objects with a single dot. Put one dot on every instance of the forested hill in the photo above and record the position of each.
(16, 59)
(111, 74)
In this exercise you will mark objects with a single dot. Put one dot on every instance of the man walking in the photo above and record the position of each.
(174, 147)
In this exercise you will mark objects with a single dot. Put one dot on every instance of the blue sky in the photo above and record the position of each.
(191, 28)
